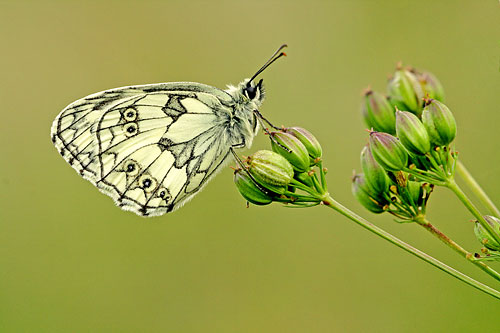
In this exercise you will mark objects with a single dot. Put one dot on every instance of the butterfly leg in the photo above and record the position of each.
(261, 120)
(236, 157)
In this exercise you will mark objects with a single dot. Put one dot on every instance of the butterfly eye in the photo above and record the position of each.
(251, 92)
(130, 115)
(164, 194)
(130, 129)
(131, 167)
(147, 182)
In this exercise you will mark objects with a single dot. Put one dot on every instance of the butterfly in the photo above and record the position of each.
(153, 147)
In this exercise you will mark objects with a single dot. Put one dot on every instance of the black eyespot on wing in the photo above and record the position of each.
(164, 194)
(131, 129)
(147, 183)
(130, 114)
(131, 167)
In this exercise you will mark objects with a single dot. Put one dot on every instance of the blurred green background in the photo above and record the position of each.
(70, 261)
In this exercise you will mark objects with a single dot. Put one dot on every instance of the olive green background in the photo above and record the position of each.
(70, 261)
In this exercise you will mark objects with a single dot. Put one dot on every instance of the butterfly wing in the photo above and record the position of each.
(150, 147)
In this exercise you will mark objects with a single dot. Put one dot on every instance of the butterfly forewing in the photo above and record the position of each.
(150, 147)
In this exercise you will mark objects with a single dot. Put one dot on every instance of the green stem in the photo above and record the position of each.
(425, 176)
(457, 248)
(330, 202)
(303, 198)
(452, 185)
(476, 189)
(437, 166)
(322, 175)
(303, 187)
(317, 185)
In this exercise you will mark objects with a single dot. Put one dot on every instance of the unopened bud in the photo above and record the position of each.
(431, 86)
(362, 193)
(250, 190)
(412, 133)
(305, 178)
(292, 149)
(416, 191)
(271, 170)
(439, 123)
(484, 236)
(378, 113)
(308, 140)
(388, 151)
(375, 176)
(405, 88)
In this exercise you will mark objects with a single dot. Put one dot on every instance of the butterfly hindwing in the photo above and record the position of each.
(151, 147)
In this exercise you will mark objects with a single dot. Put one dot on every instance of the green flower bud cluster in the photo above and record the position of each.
(412, 128)
(408, 87)
(382, 187)
(276, 175)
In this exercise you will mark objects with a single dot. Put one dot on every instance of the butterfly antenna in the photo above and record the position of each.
(276, 55)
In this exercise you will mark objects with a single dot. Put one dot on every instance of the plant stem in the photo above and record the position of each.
(452, 185)
(476, 189)
(457, 248)
(322, 176)
(330, 202)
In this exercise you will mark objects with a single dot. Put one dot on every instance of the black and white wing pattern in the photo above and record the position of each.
(150, 147)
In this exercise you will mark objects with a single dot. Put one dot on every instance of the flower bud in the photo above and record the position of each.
(305, 178)
(416, 191)
(388, 151)
(439, 123)
(296, 154)
(412, 133)
(271, 170)
(405, 88)
(308, 140)
(396, 105)
(362, 193)
(431, 86)
(249, 190)
(378, 112)
(484, 237)
(375, 176)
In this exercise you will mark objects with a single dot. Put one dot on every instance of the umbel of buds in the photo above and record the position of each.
(484, 237)
(287, 174)
(378, 113)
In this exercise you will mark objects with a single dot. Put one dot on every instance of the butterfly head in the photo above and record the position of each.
(252, 91)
